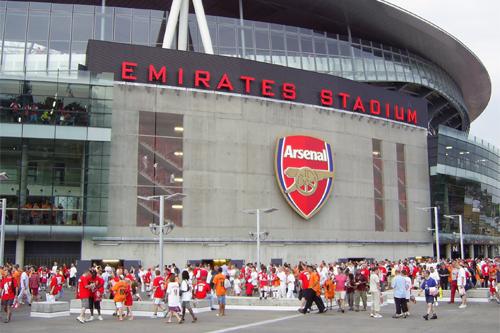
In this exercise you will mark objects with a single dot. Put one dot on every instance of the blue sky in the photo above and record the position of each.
(476, 23)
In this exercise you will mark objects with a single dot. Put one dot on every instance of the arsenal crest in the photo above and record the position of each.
(304, 170)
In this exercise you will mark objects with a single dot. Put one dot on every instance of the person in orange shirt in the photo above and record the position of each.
(313, 292)
(220, 291)
(329, 288)
(120, 291)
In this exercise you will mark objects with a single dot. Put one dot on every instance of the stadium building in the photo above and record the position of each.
(333, 118)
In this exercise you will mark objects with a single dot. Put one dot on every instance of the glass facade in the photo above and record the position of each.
(49, 38)
(465, 180)
(160, 165)
(55, 182)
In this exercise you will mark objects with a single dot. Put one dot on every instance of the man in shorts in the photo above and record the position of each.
(83, 294)
(8, 292)
(158, 293)
(220, 291)
(340, 281)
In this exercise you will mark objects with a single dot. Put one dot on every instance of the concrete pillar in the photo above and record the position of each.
(20, 251)
(485, 251)
(471, 251)
(448, 251)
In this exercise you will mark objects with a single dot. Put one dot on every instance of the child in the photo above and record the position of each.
(329, 291)
(120, 295)
(249, 287)
(174, 301)
(237, 286)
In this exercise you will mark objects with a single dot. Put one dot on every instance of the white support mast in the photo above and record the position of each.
(179, 15)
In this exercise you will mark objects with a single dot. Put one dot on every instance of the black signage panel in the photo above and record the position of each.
(153, 65)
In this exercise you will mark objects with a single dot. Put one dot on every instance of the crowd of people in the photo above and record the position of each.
(346, 286)
(40, 113)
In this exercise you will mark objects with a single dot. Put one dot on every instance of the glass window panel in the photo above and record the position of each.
(248, 38)
(78, 53)
(308, 62)
(292, 43)
(227, 37)
(38, 27)
(306, 43)
(15, 27)
(279, 58)
(59, 55)
(60, 27)
(294, 60)
(85, 9)
(36, 55)
(154, 36)
(108, 27)
(62, 8)
(123, 29)
(333, 47)
(13, 56)
(262, 39)
(17, 5)
(277, 40)
(319, 46)
(82, 27)
(140, 31)
(123, 11)
(345, 49)
(322, 63)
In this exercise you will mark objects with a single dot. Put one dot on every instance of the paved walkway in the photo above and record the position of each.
(478, 317)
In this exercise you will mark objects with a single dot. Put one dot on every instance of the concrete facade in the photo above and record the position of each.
(229, 145)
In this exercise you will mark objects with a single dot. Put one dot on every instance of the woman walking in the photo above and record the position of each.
(173, 299)
(187, 296)
(429, 285)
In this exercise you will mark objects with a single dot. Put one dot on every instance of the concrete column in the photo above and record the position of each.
(471, 251)
(448, 251)
(20, 251)
(485, 250)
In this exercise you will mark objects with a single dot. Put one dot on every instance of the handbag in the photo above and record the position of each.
(433, 291)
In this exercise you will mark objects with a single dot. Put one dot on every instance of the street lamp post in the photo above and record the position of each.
(162, 229)
(258, 235)
(3, 176)
(2, 230)
(436, 229)
(461, 232)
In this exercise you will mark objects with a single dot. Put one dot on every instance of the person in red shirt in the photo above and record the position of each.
(8, 292)
(128, 299)
(147, 281)
(83, 292)
(202, 291)
(56, 283)
(263, 278)
(158, 293)
(96, 292)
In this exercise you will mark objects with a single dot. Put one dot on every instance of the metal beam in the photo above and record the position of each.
(173, 18)
(203, 26)
(183, 26)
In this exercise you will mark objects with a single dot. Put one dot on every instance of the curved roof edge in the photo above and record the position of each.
(433, 43)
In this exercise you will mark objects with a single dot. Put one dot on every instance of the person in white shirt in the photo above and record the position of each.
(237, 286)
(461, 282)
(54, 268)
(290, 284)
(186, 291)
(375, 292)
(408, 294)
(435, 276)
(173, 298)
(72, 276)
(24, 288)
(141, 274)
(282, 287)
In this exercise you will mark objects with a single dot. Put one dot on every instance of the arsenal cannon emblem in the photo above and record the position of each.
(304, 170)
